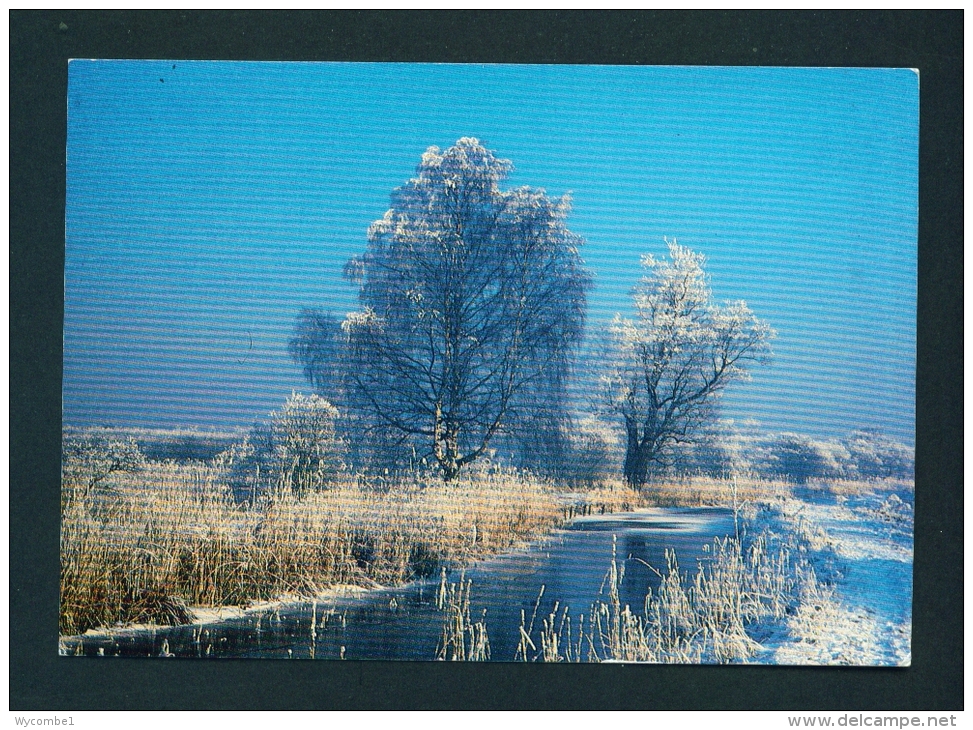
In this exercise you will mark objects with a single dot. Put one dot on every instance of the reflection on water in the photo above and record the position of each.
(404, 623)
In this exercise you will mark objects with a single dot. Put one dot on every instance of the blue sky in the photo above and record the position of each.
(207, 202)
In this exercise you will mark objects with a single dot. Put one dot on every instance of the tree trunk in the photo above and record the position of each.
(637, 458)
(446, 446)
(448, 457)
(450, 470)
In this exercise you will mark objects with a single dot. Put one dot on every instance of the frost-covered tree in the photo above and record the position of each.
(668, 366)
(472, 298)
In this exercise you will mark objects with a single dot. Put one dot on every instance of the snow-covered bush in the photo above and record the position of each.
(874, 456)
(297, 450)
(799, 458)
(717, 451)
(90, 460)
(594, 451)
(706, 457)
(724, 448)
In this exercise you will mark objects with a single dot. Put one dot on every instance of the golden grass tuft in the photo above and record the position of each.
(702, 491)
(856, 487)
(612, 496)
(175, 532)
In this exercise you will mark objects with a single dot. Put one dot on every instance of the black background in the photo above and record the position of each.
(40, 44)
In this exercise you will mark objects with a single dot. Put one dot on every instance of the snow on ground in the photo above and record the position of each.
(205, 615)
(861, 611)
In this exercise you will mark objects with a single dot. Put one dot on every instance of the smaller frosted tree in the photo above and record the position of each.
(668, 366)
(298, 450)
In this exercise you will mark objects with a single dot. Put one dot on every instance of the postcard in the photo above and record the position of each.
(516, 363)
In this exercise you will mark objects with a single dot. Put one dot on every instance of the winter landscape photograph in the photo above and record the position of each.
(508, 363)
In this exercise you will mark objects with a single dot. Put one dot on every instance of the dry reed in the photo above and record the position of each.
(462, 638)
(700, 491)
(689, 620)
(142, 546)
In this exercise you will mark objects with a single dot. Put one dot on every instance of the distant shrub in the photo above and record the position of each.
(88, 461)
(711, 454)
(724, 449)
(593, 453)
(297, 450)
(800, 458)
(715, 459)
(183, 447)
(720, 450)
(874, 456)
(539, 441)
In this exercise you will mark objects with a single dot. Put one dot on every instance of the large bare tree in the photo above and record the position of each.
(668, 366)
(471, 298)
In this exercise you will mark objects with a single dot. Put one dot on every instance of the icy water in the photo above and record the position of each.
(404, 623)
